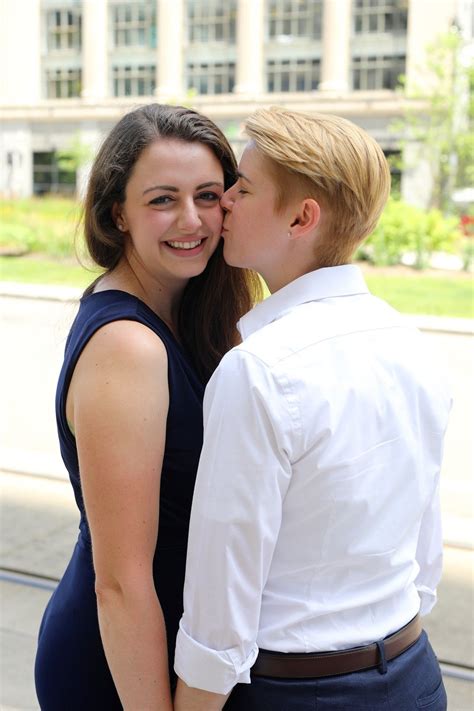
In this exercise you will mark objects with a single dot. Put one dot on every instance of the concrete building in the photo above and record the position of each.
(70, 68)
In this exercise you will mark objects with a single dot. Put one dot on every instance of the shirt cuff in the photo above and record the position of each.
(203, 668)
(428, 598)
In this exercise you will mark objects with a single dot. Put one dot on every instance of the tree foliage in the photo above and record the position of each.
(443, 127)
(406, 229)
(75, 155)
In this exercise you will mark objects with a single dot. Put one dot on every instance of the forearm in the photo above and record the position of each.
(188, 699)
(134, 638)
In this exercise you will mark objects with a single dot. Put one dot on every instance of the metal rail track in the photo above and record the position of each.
(455, 670)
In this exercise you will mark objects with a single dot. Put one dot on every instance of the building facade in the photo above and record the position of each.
(70, 68)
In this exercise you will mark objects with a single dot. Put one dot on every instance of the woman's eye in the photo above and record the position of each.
(208, 197)
(161, 200)
(243, 192)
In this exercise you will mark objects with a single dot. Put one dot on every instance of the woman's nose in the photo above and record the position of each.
(189, 219)
(227, 200)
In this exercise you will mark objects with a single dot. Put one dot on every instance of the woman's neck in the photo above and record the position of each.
(161, 298)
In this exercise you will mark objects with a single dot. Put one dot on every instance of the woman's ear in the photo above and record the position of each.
(118, 217)
(306, 218)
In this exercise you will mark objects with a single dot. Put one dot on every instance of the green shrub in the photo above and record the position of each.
(42, 225)
(15, 238)
(467, 254)
(404, 228)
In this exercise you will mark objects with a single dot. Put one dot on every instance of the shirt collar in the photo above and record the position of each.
(345, 280)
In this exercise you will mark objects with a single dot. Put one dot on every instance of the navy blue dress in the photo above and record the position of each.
(71, 670)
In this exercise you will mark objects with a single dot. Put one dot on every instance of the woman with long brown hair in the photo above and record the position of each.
(148, 335)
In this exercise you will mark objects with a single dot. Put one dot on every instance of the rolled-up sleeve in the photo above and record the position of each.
(204, 668)
(243, 476)
(429, 554)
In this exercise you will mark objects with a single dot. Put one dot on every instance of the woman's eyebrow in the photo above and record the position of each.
(174, 189)
(244, 177)
(208, 185)
(171, 188)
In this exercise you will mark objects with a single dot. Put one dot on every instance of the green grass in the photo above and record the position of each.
(44, 271)
(413, 292)
(45, 229)
(41, 225)
(426, 294)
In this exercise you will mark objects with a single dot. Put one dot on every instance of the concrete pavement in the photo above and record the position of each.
(34, 330)
(38, 530)
(39, 521)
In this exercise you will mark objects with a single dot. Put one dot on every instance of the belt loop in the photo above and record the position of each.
(382, 665)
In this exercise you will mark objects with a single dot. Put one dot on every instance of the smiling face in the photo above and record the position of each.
(171, 215)
(255, 233)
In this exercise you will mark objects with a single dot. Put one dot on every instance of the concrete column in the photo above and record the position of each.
(90, 138)
(427, 20)
(170, 65)
(16, 161)
(20, 53)
(336, 46)
(94, 50)
(417, 179)
(250, 43)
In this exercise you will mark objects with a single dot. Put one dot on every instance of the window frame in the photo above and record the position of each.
(376, 66)
(68, 34)
(133, 25)
(283, 22)
(369, 18)
(203, 75)
(203, 18)
(294, 68)
(134, 76)
(63, 82)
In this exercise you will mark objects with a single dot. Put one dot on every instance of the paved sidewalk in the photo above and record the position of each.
(39, 528)
(38, 519)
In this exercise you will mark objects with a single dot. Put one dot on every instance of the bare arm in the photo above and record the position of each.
(188, 699)
(118, 404)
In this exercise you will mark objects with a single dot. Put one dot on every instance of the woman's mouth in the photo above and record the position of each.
(185, 245)
(187, 248)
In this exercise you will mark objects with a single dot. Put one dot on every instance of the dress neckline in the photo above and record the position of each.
(143, 304)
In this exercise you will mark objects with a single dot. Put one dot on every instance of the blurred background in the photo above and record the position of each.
(69, 69)
(401, 69)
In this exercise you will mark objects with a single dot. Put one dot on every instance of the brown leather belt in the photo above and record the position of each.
(318, 664)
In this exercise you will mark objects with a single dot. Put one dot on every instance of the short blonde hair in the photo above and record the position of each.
(331, 160)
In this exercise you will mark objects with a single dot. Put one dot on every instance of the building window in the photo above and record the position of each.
(294, 18)
(394, 160)
(134, 80)
(292, 75)
(63, 30)
(134, 24)
(380, 16)
(49, 177)
(63, 83)
(370, 73)
(215, 78)
(211, 21)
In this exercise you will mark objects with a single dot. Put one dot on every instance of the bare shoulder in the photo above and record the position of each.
(126, 340)
(121, 362)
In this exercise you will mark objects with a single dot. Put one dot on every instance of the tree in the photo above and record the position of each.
(439, 119)
(75, 155)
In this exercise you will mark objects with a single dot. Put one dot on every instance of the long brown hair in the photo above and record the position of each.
(212, 302)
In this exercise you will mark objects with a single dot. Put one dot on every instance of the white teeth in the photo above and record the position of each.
(185, 245)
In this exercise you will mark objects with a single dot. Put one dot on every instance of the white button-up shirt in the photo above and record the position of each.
(315, 523)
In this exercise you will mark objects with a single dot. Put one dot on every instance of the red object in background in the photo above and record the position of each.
(467, 225)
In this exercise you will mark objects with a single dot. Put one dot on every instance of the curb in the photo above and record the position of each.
(442, 324)
(457, 530)
(43, 292)
(46, 465)
(69, 294)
